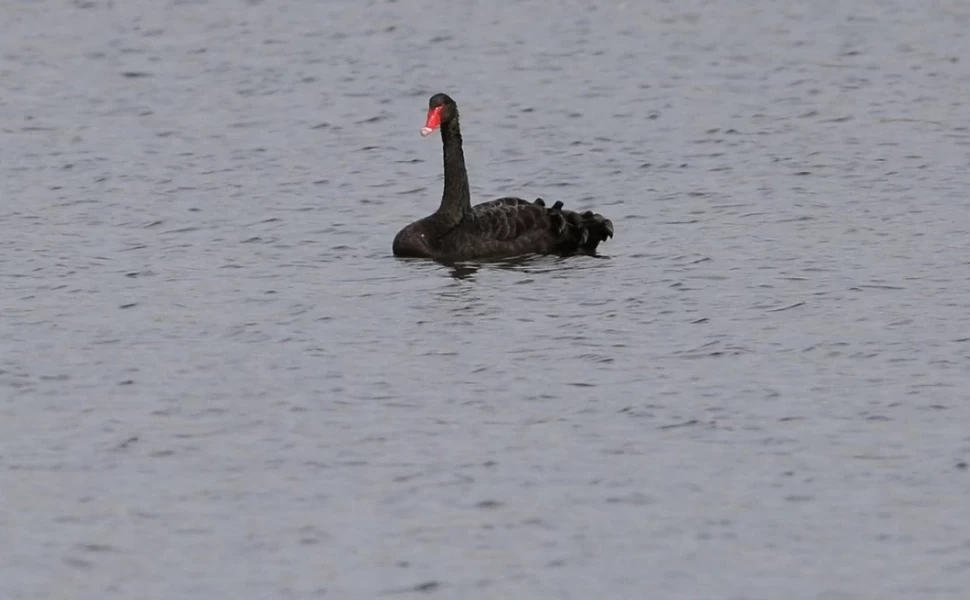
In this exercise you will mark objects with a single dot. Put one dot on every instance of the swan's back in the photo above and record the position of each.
(512, 226)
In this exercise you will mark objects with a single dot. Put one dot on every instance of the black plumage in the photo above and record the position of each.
(500, 228)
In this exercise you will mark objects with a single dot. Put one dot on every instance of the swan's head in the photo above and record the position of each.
(441, 109)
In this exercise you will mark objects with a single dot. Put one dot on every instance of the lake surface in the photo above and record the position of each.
(216, 381)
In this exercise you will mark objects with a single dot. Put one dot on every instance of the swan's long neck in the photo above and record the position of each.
(456, 199)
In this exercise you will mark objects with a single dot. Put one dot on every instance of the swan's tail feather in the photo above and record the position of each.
(558, 219)
(583, 232)
(598, 228)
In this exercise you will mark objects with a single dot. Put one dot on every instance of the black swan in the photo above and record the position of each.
(501, 228)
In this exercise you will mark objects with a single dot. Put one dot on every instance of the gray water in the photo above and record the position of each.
(216, 381)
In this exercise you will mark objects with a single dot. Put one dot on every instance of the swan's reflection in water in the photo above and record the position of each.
(529, 264)
(467, 296)
(462, 272)
(479, 288)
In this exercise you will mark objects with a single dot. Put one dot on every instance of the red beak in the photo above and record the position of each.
(434, 119)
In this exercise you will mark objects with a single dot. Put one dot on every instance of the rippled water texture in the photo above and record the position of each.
(216, 381)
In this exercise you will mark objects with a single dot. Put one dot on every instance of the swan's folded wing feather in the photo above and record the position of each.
(507, 219)
(511, 226)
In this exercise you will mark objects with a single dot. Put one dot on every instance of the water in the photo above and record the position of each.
(218, 383)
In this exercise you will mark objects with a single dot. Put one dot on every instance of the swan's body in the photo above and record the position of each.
(503, 228)
(500, 228)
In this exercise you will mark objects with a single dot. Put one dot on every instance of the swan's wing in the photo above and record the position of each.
(508, 226)
(507, 219)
